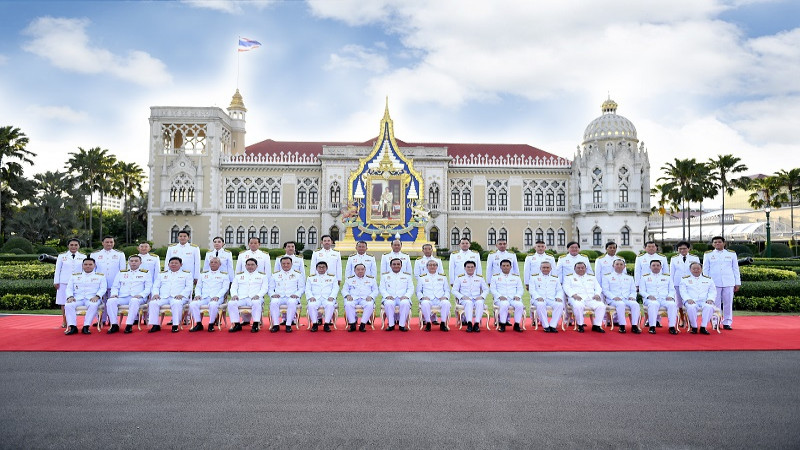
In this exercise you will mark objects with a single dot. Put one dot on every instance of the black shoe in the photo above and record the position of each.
(391, 328)
(136, 322)
(469, 327)
(502, 328)
(175, 329)
(403, 329)
(616, 324)
(255, 327)
(427, 326)
(274, 328)
(114, 329)
(314, 327)
(546, 329)
(553, 330)
(154, 328)
(326, 328)
(436, 322)
(653, 330)
(703, 330)
(694, 331)
(319, 321)
(288, 328)
(72, 329)
(210, 327)
(658, 324)
(128, 329)
(245, 323)
(236, 327)
(352, 327)
(362, 327)
(443, 327)
(580, 328)
(636, 330)
(85, 330)
(464, 323)
(621, 329)
(517, 328)
(197, 327)
(476, 327)
(727, 327)
(598, 329)
(672, 330)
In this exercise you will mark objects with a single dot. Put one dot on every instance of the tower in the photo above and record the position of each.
(237, 113)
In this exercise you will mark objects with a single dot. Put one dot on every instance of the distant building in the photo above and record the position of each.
(108, 202)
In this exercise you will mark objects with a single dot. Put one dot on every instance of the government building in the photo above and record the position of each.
(204, 178)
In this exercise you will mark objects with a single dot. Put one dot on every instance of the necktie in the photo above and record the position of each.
(684, 258)
(217, 253)
(73, 256)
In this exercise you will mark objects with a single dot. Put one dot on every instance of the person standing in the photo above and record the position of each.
(108, 262)
(132, 288)
(286, 287)
(173, 287)
(566, 263)
(150, 261)
(421, 264)
(533, 263)
(507, 292)
(188, 253)
(331, 257)
(459, 257)
(396, 288)
(290, 249)
(321, 290)
(67, 264)
(470, 290)
(433, 290)
(361, 257)
(84, 289)
(496, 257)
(254, 251)
(225, 258)
(723, 267)
(210, 291)
(605, 263)
(359, 290)
(387, 258)
(642, 265)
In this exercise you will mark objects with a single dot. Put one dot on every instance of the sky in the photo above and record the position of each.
(698, 78)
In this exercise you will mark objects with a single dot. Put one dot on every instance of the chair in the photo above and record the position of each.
(124, 310)
(511, 312)
(662, 312)
(384, 319)
(459, 310)
(220, 313)
(435, 310)
(716, 320)
(81, 311)
(284, 309)
(535, 317)
(588, 313)
(321, 313)
(166, 309)
(611, 311)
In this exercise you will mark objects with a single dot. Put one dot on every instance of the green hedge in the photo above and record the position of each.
(630, 257)
(767, 304)
(23, 257)
(752, 273)
(30, 287)
(20, 243)
(19, 302)
(785, 288)
(776, 262)
(36, 271)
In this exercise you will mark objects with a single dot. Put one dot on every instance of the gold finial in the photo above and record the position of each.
(609, 106)
(386, 110)
(237, 102)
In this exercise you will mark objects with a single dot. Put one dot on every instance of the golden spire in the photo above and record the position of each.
(386, 111)
(237, 102)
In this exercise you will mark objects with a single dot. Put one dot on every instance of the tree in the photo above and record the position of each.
(12, 147)
(706, 189)
(88, 168)
(766, 191)
(130, 185)
(678, 184)
(721, 167)
(663, 200)
(791, 180)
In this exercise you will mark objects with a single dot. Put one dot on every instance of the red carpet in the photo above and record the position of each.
(43, 333)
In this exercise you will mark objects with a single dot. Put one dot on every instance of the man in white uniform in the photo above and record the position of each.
(421, 264)
(84, 289)
(286, 287)
(359, 290)
(332, 257)
(507, 291)
(248, 289)
(604, 264)
(679, 268)
(108, 262)
(566, 263)
(657, 291)
(150, 261)
(643, 261)
(698, 292)
(361, 257)
(387, 258)
(254, 252)
(459, 257)
(723, 267)
(173, 287)
(396, 288)
(433, 289)
(67, 263)
(188, 253)
(533, 263)
(321, 290)
(225, 258)
(620, 293)
(546, 291)
(584, 292)
(132, 288)
(291, 251)
(470, 290)
(496, 257)
(210, 291)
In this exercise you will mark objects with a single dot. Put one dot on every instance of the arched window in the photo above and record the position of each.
(467, 234)
(263, 198)
(597, 185)
(539, 234)
(240, 236)
(623, 194)
(312, 199)
(433, 236)
(230, 198)
(597, 195)
(301, 198)
(560, 200)
(173, 234)
(455, 200)
(624, 180)
(503, 234)
(562, 237)
(491, 237)
(173, 194)
(336, 195)
(263, 235)
(301, 235)
(251, 233)
(433, 195)
(229, 234)
(312, 236)
(252, 198)
(491, 199)
(241, 197)
(466, 200)
(276, 198)
(527, 200)
(548, 200)
(538, 201)
(597, 236)
(455, 236)
(275, 236)
(528, 237)
(334, 232)
(502, 199)
(625, 234)
(551, 237)
(190, 194)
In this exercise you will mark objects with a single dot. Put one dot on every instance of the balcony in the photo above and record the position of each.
(625, 206)
(595, 206)
(179, 207)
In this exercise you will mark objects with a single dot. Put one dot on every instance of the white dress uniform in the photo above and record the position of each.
(510, 287)
(421, 266)
(245, 286)
(433, 290)
(493, 263)
(320, 289)
(258, 255)
(297, 263)
(701, 291)
(68, 263)
(604, 265)
(660, 286)
(83, 286)
(586, 287)
(189, 255)
(547, 288)
(332, 258)
(621, 285)
(211, 284)
(470, 291)
(723, 267)
(359, 289)
(285, 284)
(679, 268)
(643, 264)
(367, 260)
(225, 262)
(168, 285)
(566, 266)
(457, 260)
(151, 263)
(387, 258)
(397, 285)
(127, 285)
(108, 262)
(533, 263)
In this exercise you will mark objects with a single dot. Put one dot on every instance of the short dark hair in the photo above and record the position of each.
(655, 261)
(464, 239)
(289, 242)
(326, 236)
(540, 242)
(500, 240)
(323, 263)
(251, 259)
(218, 237)
(89, 259)
(717, 237)
(287, 257)
(506, 261)
(253, 237)
(395, 259)
(174, 258)
(650, 242)
(683, 244)
(359, 264)
(570, 243)
(134, 256)
(361, 242)
(108, 236)
(74, 240)
(610, 243)
(469, 262)
(186, 232)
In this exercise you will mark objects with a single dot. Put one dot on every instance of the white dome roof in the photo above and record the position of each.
(609, 125)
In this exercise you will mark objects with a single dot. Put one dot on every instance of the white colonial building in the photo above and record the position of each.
(204, 178)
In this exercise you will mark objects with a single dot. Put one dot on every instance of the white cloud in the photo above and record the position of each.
(60, 113)
(357, 57)
(228, 6)
(3, 59)
(65, 43)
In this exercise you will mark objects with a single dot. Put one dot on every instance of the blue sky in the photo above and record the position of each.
(697, 78)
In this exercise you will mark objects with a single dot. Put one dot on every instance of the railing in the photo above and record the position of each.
(625, 206)
(179, 207)
(595, 206)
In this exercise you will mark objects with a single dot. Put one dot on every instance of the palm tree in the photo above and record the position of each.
(131, 177)
(678, 181)
(110, 184)
(721, 167)
(791, 180)
(87, 168)
(766, 191)
(663, 200)
(12, 147)
(706, 189)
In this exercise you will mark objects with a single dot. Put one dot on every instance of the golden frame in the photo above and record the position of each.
(397, 185)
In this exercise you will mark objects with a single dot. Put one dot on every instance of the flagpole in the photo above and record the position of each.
(237, 62)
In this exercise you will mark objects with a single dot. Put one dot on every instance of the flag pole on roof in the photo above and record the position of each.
(245, 45)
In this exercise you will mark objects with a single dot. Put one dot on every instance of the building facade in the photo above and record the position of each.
(204, 178)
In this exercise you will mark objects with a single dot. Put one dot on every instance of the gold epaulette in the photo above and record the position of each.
(152, 254)
(554, 276)
(709, 251)
(498, 273)
(100, 273)
(143, 270)
(407, 273)
(423, 275)
(203, 271)
(665, 273)
(461, 275)
(368, 276)
(124, 270)
(384, 273)
(645, 275)
(609, 273)
(76, 273)
(660, 254)
(187, 271)
(706, 276)
(492, 252)
(239, 273)
(351, 276)
(263, 273)
(173, 245)
(686, 276)
(535, 275)
(297, 271)
(224, 273)
(193, 245)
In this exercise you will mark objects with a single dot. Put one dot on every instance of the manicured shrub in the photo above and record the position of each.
(630, 257)
(741, 250)
(20, 243)
(700, 246)
(476, 247)
(778, 250)
(30, 287)
(276, 253)
(21, 302)
(160, 251)
(308, 253)
(18, 258)
(46, 249)
(15, 251)
(769, 288)
(753, 273)
(36, 271)
(591, 254)
(130, 250)
(768, 304)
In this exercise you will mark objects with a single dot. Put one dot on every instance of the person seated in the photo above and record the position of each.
(698, 292)
(321, 290)
(132, 288)
(212, 286)
(84, 289)
(507, 292)
(620, 292)
(173, 287)
(433, 290)
(658, 292)
(285, 289)
(248, 290)
(584, 292)
(396, 288)
(470, 291)
(359, 290)
(546, 291)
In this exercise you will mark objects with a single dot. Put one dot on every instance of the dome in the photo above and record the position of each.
(609, 125)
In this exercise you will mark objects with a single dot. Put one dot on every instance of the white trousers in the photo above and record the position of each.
(175, 306)
(213, 309)
(426, 307)
(275, 309)
(473, 309)
(652, 311)
(502, 310)
(404, 307)
(632, 305)
(350, 309)
(691, 311)
(255, 305)
(541, 311)
(579, 306)
(133, 309)
(724, 301)
(61, 294)
(328, 309)
(70, 310)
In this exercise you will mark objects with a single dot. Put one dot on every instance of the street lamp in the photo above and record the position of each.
(769, 241)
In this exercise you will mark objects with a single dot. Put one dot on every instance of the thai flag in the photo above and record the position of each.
(245, 45)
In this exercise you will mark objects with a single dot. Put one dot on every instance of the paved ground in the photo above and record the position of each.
(411, 400)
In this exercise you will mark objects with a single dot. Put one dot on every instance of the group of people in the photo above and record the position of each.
(684, 286)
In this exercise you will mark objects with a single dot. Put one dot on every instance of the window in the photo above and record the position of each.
(492, 237)
(230, 198)
(336, 195)
(173, 194)
(312, 198)
(455, 237)
(252, 198)
(539, 201)
(528, 237)
(301, 198)
(527, 200)
(560, 200)
(240, 236)
(241, 197)
(549, 199)
(502, 200)
(623, 195)
(263, 235)
(301, 235)
(562, 237)
(597, 237)
(551, 237)
(491, 200)
(173, 235)
(539, 234)
(251, 233)
(503, 234)
(434, 236)
(433, 195)
(312, 236)
(274, 236)
(466, 200)
(229, 234)
(263, 198)
(334, 232)
(597, 195)
(626, 236)
(276, 198)
(467, 234)
(455, 200)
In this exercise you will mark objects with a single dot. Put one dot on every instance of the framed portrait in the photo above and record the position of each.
(386, 200)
